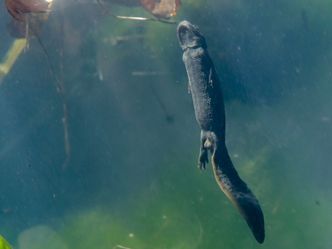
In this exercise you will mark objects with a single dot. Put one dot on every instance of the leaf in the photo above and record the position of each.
(18, 8)
(161, 8)
(28, 16)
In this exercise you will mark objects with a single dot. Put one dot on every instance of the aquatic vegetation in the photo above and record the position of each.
(4, 244)
(97, 227)
(163, 8)
(40, 237)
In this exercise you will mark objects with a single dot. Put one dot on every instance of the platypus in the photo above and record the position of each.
(208, 102)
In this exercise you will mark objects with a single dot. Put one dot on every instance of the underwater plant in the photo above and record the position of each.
(4, 244)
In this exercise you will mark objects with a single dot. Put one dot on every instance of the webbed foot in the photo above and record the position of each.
(203, 159)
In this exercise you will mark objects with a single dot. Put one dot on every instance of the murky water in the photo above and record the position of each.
(130, 178)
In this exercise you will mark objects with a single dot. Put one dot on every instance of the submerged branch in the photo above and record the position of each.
(138, 18)
(10, 58)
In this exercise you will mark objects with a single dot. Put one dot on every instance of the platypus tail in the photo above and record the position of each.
(238, 192)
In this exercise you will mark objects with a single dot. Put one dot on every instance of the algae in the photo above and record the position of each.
(40, 237)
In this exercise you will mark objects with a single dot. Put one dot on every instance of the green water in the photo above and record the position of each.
(132, 180)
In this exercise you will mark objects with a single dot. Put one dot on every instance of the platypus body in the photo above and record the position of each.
(208, 102)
